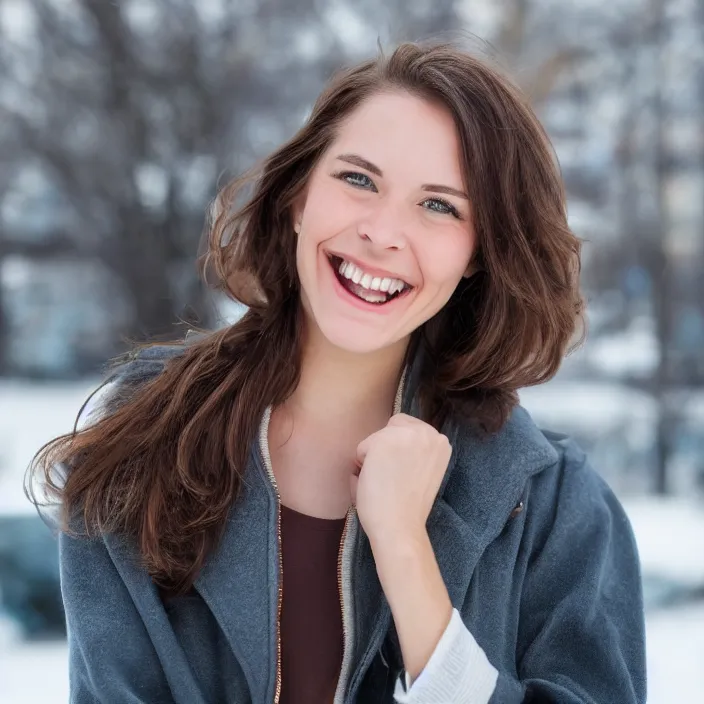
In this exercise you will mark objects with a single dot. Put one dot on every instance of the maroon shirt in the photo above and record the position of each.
(311, 615)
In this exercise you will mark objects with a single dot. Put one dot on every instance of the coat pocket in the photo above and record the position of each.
(378, 684)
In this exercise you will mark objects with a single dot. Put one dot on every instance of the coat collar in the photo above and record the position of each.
(483, 485)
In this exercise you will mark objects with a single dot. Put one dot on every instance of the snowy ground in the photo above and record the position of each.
(30, 415)
(34, 674)
(675, 643)
(670, 536)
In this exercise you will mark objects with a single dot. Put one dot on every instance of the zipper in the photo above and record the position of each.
(264, 447)
(349, 534)
(350, 529)
(343, 566)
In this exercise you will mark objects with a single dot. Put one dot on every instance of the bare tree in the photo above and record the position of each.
(538, 64)
(646, 165)
(661, 266)
(137, 117)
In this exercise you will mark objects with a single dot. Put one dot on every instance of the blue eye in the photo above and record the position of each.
(438, 205)
(360, 180)
(357, 179)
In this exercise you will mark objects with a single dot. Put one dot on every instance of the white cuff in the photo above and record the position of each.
(458, 672)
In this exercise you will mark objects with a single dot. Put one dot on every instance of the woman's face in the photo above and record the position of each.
(384, 232)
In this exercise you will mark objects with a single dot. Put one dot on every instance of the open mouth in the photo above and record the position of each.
(370, 289)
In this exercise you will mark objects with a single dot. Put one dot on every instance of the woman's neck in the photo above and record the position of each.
(336, 383)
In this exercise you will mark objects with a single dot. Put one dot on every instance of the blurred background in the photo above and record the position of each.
(118, 120)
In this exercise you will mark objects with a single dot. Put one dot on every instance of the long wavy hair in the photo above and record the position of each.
(165, 465)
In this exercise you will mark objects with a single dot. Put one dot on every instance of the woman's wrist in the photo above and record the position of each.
(416, 592)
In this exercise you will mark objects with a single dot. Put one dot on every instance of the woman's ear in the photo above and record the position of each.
(297, 212)
(472, 268)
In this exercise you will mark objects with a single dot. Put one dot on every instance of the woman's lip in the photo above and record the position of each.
(368, 269)
(353, 300)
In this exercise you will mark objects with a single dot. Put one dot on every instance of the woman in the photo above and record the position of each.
(337, 498)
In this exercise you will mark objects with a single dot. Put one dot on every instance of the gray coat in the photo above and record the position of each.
(536, 552)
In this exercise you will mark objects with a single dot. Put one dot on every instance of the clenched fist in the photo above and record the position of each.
(400, 468)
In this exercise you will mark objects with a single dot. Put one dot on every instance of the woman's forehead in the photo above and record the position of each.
(402, 135)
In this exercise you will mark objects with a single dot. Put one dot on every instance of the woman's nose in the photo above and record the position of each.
(386, 229)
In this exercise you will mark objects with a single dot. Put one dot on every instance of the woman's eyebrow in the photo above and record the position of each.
(361, 162)
(444, 189)
(373, 168)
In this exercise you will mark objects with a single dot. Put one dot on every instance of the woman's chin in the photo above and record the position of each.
(356, 344)
(353, 339)
(349, 332)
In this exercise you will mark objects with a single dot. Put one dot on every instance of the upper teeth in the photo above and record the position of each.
(373, 283)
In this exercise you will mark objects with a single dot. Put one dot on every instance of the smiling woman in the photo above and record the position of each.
(338, 499)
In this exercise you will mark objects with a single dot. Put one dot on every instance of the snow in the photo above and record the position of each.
(152, 184)
(591, 406)
(675, 648)
(31, 415)
(633, 351)
(349, 27)
(17, 19)
(35, 673)
(693, 406)
(670, 537)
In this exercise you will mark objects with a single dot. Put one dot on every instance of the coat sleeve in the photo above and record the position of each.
(581, 619)
(111, 657)
(581, 628)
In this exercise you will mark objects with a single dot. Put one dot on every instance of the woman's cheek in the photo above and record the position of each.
(443, 265)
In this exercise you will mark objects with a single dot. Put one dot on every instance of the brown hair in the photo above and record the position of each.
(165, 464)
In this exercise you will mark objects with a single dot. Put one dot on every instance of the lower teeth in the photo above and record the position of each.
(368, 296)
(373, 299)
(377, 297)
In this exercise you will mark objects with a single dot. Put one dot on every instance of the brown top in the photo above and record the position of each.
(311, 616)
